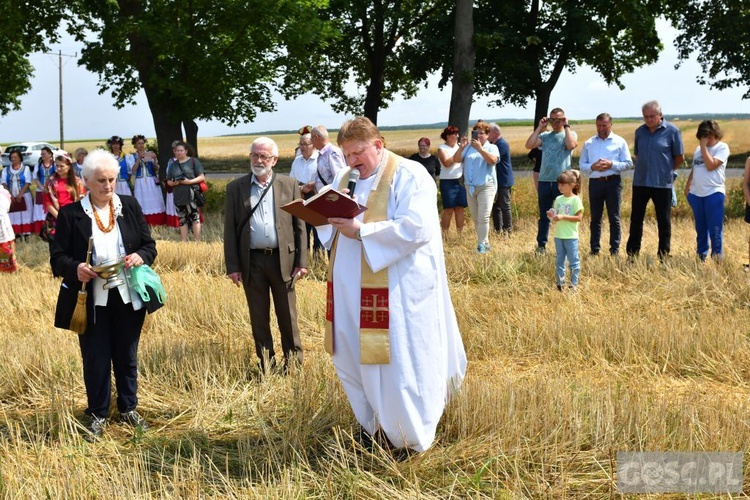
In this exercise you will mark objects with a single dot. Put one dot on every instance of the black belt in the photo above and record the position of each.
(265, 251)
(604, 178)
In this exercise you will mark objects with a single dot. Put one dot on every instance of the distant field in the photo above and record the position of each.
(229, 153)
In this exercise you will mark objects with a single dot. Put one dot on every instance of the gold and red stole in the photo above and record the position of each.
(374, 343)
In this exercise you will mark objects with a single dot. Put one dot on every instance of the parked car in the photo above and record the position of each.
(29, 150)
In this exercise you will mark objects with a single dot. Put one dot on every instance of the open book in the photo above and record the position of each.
(328, 202)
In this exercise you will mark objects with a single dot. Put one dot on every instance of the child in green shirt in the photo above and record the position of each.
(567, 212)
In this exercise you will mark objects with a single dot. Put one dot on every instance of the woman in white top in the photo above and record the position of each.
(452, 192)
(705, 189)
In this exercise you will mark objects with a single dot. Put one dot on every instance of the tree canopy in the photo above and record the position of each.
(372, 47)
(27, 27)
(717, 33)
(202, 59)
(524, 47)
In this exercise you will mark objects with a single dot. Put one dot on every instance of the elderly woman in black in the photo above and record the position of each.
(114, 317)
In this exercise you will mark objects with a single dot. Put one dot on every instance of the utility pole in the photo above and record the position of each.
(59, 73)
(60, 78)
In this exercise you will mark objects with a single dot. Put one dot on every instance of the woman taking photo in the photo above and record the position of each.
(17, 179)
(705, 189)
(63, 188)
(183, 176)
(452, 193)
(44, 170)
(479, 158)
(114, 144)
(114, 317)
(144, 173)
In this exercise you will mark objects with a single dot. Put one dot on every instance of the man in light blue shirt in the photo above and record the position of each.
(557, 147)
(330, 158)
(658, 152)
(603, 157)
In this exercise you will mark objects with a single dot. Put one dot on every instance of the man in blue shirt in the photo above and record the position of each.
(603, 157)
(658, 152)
(501, 213)
(557, 147)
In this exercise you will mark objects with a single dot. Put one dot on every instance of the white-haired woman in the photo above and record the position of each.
(114, 317)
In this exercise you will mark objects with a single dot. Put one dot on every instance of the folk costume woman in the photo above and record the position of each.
(17, 179)
(115, 144)
(63, 188)
(173, 219)
(44, 170)
(144, 174)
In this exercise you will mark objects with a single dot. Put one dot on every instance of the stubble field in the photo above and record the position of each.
(645, 357)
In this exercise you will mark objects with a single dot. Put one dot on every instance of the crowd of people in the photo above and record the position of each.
(399, 361)
(477, 172)
(37, 194)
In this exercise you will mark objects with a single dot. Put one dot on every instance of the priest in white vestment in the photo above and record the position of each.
(399, 375)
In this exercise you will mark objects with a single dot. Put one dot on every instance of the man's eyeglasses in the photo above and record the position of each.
(304, 144)
(263, 157)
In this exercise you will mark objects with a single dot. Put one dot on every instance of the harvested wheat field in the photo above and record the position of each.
(645, 357)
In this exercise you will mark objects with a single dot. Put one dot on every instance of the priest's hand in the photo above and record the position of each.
(347, 227)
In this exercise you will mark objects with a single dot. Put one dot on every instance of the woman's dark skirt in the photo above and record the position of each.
(453, 193)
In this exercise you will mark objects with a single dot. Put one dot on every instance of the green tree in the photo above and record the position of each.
(27, 27)
(717, 33)
(195, 60)
(524, 47)
(373, 45)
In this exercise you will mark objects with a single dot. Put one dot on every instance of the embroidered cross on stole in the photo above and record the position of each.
(374, 343)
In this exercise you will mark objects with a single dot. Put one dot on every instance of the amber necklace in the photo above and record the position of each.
(111, 224)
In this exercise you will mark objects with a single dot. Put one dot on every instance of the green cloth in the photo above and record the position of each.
(143, 276)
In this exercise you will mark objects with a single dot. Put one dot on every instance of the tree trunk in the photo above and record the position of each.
(542, 103)
(167, 128)
(464, 57)
(191, 134)
(375, 87)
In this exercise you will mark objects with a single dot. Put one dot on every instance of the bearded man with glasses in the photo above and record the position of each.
(265, 249)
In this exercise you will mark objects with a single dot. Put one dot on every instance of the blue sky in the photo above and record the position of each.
(583, 95)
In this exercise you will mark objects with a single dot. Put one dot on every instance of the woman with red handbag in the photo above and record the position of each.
(17, 179)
